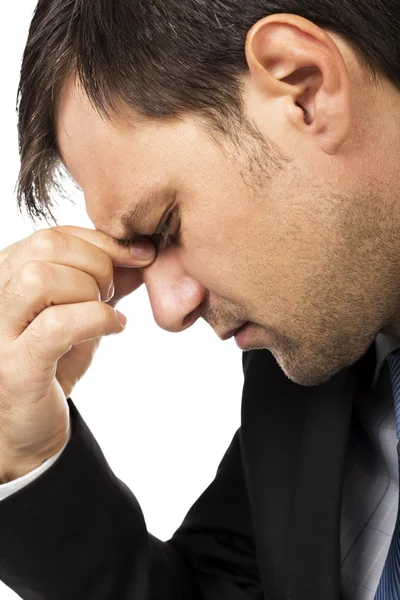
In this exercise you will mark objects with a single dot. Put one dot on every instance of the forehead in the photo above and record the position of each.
(82, 132)
(108, 160)
(117, 163)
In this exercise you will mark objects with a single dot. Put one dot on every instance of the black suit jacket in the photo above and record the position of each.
(267, 527)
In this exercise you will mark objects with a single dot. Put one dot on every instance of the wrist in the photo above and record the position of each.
(15, 471)
(15, 465)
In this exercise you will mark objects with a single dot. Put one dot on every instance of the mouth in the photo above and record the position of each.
(229, 334)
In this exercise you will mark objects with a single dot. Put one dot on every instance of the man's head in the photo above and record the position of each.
(274, 139)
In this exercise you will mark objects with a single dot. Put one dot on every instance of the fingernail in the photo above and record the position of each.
(121, 318)
(111, 292)
(143, 251)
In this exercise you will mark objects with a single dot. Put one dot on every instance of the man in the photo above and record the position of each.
(261, 141)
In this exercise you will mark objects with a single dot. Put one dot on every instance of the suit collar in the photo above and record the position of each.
(295, 443)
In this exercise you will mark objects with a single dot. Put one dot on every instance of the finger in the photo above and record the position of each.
(132, 256)
(53, 245)
(58, 328)
(37, 286)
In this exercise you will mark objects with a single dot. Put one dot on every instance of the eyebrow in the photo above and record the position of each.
(132, 220)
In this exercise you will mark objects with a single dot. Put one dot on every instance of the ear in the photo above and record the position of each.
(292, 59)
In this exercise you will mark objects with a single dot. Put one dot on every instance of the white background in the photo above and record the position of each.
(163, 407)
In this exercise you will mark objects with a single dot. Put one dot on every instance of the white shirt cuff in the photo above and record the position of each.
(6, 489)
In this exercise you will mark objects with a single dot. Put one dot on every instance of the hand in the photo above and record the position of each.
(52, 318)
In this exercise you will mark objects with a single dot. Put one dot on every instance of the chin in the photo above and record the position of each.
(301, 369)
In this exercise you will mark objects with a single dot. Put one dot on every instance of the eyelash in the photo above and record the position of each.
(167, 238)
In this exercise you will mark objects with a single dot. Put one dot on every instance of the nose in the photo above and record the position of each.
(175, 297)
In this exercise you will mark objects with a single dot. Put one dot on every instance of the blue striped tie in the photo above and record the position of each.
(389, 584)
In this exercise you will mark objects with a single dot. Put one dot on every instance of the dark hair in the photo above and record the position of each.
(163, 58)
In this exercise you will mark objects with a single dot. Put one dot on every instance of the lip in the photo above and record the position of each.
(232, 332)
(244, 335)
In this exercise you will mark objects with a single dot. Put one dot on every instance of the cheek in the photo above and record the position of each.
(245, 258)
(212, 253)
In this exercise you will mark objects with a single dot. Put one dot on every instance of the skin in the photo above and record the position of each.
(307, 248)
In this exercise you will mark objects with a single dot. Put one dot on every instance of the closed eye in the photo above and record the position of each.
(161, 239)
(165, 233)
(170, 234)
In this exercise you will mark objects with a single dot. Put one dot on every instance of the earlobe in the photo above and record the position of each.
(291, 58)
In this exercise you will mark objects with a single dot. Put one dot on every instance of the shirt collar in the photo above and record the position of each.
(384, 346)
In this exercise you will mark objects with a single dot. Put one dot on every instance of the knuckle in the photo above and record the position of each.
(45, 242)
(50, 324)
(34, 275)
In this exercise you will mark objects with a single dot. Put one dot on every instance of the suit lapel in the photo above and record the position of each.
(294, 445)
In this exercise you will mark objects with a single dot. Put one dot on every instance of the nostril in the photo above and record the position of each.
(190, 319)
